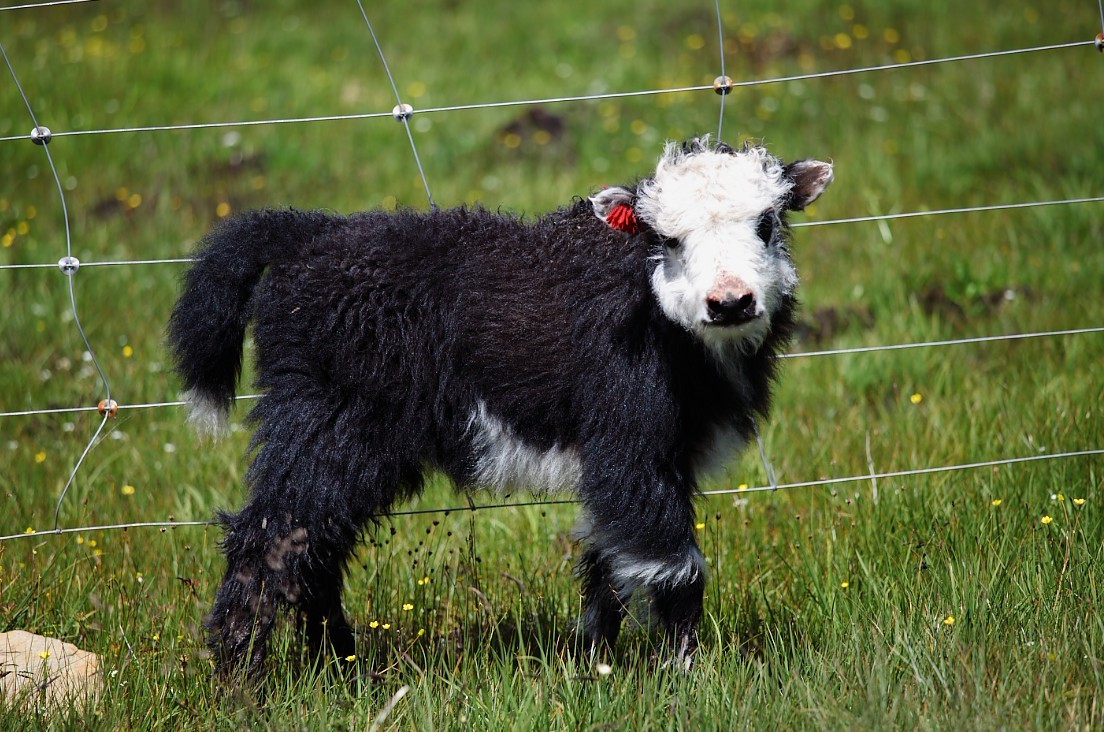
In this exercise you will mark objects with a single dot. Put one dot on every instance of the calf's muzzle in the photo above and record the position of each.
(731, 302)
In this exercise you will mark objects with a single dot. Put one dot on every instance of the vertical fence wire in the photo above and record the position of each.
(69, 265)
(722, 87)
(721, 47)
(402, 112)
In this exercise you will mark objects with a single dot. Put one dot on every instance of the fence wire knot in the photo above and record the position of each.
(723, 85)
(402, 112)
(68, 265)
(1099, 42)
(107, 407)
(41, 135)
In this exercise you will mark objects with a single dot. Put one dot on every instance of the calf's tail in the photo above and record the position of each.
(206, 330)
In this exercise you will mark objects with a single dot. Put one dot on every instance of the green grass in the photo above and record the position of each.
(786, 643)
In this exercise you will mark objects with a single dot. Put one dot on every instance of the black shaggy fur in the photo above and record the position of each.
(377, 336)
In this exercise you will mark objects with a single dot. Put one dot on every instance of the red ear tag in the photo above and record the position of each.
(623, 218)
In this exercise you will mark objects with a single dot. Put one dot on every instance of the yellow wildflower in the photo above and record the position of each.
(1046, 519)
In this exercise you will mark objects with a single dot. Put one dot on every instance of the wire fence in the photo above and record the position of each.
(402, 112)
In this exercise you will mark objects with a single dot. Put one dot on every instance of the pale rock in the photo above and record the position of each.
(45, 673)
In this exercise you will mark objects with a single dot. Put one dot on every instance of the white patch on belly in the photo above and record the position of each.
(507, 463)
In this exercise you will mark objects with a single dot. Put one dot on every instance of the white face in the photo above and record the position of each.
(723, 270)
(718, 277)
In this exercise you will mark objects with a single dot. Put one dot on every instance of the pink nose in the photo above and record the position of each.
(731, 302)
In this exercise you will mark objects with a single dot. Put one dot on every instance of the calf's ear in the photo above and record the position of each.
(810, 178)
(614, 205)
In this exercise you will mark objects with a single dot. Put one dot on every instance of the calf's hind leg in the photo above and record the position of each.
(275, 562)
(287, 548)
(263, 561)
(321, 617)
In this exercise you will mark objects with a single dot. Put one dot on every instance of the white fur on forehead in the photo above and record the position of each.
(704, 186)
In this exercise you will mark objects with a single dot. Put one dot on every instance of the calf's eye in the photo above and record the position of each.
(766, 226)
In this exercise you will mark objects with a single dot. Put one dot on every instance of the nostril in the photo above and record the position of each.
(745, 303)
(732, 308)
(717, 308)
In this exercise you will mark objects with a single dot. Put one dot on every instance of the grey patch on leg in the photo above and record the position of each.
(631, 572)
(294, 544)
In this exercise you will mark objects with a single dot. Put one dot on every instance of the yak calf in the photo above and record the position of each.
(616, 348)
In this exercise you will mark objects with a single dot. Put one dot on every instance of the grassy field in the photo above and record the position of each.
(968, 599)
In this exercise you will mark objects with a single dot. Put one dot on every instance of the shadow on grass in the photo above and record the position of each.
(544, 638)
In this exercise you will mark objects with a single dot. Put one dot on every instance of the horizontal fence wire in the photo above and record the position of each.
(114, 263)
(563, 99)
(31, 533)
(797, 225)
(946, 342)
(948, 211)
(46, 4)
(122, 407)
(793, 355)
